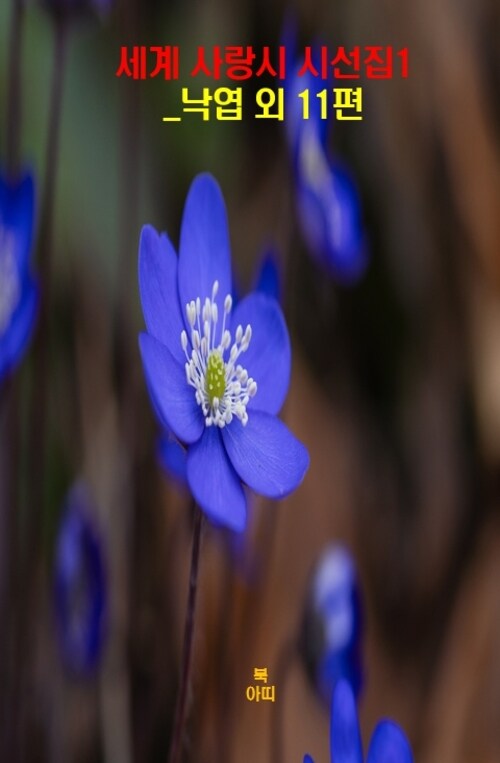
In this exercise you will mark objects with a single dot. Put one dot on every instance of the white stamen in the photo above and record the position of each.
(238, 387)
(184, 340)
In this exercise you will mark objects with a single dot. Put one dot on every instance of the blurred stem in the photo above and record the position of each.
(129, 170)
(9, 425)
(52, 150)
(9, 431)
(128, 227)
(27, 586)
(9, 404)
(285, 661)
(45, 252)
(187, 649)
(13, 128)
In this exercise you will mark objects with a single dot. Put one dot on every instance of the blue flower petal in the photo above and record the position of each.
(17, 213)
(268, 358)
(214, 483)
(18, 332)
(173, 457)
(348, 252)
(389, 745)
(158, 288)
(330, 211)
(265, 454)
(308, 759)
(268, 279)
(296, 125)
(345, 739)
(173, 399)
(204, 255)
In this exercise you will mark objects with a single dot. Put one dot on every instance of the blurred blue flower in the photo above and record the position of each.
(388, 743)
(171, 454)
(332, 629)
(328, 202)
(80, 584)
(18, 290)
(224, 412)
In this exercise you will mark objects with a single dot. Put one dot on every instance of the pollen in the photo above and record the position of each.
(215, 378)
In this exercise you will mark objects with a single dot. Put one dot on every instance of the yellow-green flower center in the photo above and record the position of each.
(215, 379)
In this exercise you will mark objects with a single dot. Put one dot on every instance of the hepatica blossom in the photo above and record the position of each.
(331, 638)
(80, 585)
(328, 203)
(388, 743)
(217, 377)
(18, 290)
(171, 454)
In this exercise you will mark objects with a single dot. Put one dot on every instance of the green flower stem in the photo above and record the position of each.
(32, 556)
(46, 243)
(187, 649)
(10, 394)
(9, 433)
(129, 197)
(45, 255)
(13, 127)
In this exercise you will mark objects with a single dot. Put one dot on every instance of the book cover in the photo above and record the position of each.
(249, 382)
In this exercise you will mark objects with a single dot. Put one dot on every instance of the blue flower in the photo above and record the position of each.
(217, 378)
(18, 291)
(331, 639)
(388, 743)
(80, 585)
(171, 454)
(328, 203)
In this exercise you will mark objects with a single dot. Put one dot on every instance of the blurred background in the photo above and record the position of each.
(395, 391)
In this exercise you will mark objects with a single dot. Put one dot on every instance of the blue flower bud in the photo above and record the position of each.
(79, 584)
(331, 637)
(327, 199)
